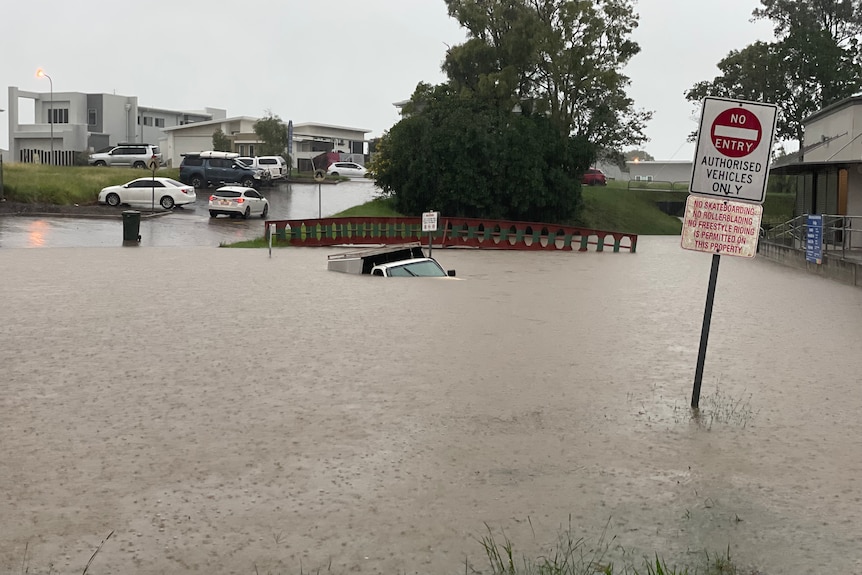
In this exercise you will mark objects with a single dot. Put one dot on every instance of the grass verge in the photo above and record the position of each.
(67, 185)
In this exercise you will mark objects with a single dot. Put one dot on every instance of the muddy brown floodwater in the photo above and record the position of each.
(223, 412)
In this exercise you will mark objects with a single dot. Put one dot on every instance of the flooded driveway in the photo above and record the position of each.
(221, 411)
(188, 225)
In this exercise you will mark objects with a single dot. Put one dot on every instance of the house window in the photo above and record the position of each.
(58, 116)
(91, 117)
(160, 122)
(148, 120)
(251, 149)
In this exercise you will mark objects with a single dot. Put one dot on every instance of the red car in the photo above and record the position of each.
(594, 177)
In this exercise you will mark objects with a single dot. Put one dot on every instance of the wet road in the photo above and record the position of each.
(187, 226)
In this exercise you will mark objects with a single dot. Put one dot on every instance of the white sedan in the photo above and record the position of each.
(165, 192)
(346, 169)
(236, 201)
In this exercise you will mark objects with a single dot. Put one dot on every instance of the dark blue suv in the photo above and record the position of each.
(216, 168)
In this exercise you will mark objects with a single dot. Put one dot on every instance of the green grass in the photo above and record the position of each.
(615, 207)
(572, 555)
(66, 185)
(379, 207)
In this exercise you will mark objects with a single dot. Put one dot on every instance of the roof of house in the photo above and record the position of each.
(832, 108)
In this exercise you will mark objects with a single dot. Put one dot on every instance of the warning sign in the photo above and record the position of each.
(721, 227)
(733, 149)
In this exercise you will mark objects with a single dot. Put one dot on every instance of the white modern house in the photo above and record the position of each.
(70, 123)
(309, 140)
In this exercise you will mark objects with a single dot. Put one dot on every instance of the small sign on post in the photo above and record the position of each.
(429, 224)
(814, 239)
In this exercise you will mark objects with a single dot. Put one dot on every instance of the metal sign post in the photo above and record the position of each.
(153, 163)
(429, 224)
(319, 176)
(271, 233)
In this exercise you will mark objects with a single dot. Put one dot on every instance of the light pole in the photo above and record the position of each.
(40, 73)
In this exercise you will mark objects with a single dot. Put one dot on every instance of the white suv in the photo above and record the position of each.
(275, 165)
(128, 155)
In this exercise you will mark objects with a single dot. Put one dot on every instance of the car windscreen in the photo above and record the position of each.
(242, 164)
(175, 183)
(267, 161)
(426, 268)
(226, 194)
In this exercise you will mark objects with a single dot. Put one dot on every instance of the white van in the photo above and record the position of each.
(275, 165)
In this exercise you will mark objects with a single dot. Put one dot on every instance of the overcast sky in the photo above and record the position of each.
(340, 62)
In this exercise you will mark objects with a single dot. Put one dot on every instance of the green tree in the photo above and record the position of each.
(464, 156)
(813, 62)
(562, 58)
(221, 142)
(272, 133)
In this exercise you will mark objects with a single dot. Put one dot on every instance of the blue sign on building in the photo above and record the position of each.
(814, 239)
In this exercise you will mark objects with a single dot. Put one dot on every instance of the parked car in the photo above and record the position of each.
(594, 177)
(238, 201)
(346, 169)
(165, 192)
(216, 168)
(276, 166)
(128, 155)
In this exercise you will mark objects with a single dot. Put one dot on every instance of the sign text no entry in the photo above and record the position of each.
(736, 132)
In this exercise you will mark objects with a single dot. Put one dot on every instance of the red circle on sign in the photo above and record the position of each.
(736, 132)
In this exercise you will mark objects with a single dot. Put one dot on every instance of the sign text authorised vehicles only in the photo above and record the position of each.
(721, 227)
(733, 149)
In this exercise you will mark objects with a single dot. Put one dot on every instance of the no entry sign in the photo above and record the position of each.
(733, 148)
(736, 132)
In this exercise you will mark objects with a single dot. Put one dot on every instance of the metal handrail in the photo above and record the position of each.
(838, 232)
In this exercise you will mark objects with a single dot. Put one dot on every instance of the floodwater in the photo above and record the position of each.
(188, 225)
(224, 411)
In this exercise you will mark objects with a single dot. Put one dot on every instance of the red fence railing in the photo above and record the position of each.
(452, 232)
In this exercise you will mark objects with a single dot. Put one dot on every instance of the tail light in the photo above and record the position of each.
(212, 198)
(240, 200)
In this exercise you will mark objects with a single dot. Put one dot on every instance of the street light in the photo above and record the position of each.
(40, 73)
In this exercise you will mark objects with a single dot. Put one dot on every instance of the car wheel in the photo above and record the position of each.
(246, 213)
(113, 200)
(213, 214)
(334, 174)
(167, 202)
(248, 182)
(265, 211)
(197, 181)
(139, 165)
(99, 164)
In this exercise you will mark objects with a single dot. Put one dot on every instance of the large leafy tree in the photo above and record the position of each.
(562, 58)
(813, 62)
(465, 156)
(272, 132)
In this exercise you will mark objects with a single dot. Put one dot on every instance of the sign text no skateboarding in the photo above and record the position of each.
(734, 143)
